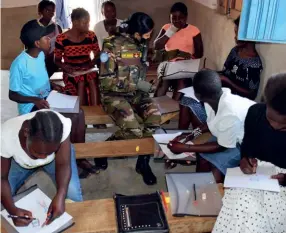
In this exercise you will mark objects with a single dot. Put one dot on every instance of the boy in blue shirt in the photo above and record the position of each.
(29, 81)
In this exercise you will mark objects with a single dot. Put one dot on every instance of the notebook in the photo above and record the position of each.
(38, 203)
(63, 103)
(194, 194)
(261, 180)
(140, 213)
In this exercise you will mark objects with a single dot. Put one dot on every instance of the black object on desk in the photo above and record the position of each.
(140, 213)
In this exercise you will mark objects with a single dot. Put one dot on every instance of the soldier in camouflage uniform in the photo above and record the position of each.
(125, 93)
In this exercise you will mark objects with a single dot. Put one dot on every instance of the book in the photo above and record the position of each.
(261, 180)
(193, 194)
(63, 103)
(38, 203)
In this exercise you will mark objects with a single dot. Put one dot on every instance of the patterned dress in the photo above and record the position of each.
(76, 55)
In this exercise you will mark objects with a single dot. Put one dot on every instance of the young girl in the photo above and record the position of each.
(38, 140)
(75, 47)
(257, 211)
(46, 10)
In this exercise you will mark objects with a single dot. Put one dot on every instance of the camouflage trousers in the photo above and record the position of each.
(136, 116)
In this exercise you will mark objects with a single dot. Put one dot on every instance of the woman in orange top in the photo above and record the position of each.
(178, 35)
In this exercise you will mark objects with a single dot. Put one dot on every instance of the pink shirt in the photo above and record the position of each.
(183, 39)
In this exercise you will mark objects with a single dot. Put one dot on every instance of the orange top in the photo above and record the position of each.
(183, 39)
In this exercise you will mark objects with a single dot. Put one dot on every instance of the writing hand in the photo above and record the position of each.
(177, 147)
(248, 165)
(20, 222)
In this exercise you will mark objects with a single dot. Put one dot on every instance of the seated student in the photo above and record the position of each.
(46, 10)
(257, 211)
(106, 27)
(29, 82)
(38, 140)
(225, 120)
(75, 47)
(181, 36)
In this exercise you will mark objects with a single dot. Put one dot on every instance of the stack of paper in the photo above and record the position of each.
(37, 202)
(189, 92)
(164, 139)
(63, 103)
(261, 180)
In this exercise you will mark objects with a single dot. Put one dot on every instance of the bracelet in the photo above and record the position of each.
(197, 132)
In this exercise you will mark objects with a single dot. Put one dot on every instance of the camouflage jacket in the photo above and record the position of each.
(124, 71)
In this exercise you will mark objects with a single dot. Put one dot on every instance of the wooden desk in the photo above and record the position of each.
(99, 217)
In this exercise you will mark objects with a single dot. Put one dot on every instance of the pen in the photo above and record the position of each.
(164, 201)
(20, 217)
(195, 192)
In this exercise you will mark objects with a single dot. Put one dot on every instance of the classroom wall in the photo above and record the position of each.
(216, 29)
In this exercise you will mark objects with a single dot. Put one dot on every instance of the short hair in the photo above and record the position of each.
(106, 3)
(46, 126)
(44, 4)
(236, 21)
(275, 93)
(207, 83)
(79, 13)
(181, 7)
(137, 22)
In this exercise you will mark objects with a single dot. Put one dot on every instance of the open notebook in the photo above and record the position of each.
(38, 203)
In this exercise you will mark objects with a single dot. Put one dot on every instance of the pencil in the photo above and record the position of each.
(164, 201)
(20, 217)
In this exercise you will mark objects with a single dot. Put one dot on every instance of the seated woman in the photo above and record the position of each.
(38, 140)
(72, 55)
(225, 120)
(257, 211)
(106, 27)
(178, 35)
(29, 82)
(46, 10)
(241, 74)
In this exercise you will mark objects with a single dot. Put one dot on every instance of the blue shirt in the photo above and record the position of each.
(29, 77)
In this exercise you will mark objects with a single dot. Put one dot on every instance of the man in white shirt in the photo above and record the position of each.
(39, 139)
(106, 27)
(225, 120)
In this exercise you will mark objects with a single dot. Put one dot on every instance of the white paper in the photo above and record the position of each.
(38, 203)
(235, 178)
(166, 138)
(189, 92)
(57, 76)
(61, 101)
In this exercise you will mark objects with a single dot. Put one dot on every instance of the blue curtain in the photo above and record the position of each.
(263, 21)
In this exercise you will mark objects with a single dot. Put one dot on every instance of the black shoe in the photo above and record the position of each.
(143, 168)
(101, 163)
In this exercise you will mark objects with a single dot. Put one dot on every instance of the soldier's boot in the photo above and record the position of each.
(143, 168)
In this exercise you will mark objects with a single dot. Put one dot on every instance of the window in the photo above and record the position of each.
(263, 21)
(92, 6)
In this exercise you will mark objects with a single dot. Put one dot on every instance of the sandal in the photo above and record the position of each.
(169, 164)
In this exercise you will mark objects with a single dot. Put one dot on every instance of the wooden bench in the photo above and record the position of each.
(145, 146)
(95, 115)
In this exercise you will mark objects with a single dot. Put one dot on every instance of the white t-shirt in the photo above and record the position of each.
(101, 33)
(227, 125)
(10, 143)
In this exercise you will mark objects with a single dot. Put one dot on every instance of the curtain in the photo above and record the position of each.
(92, 6)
